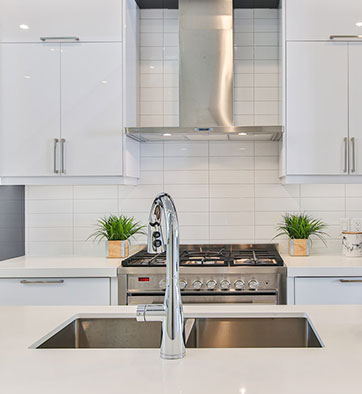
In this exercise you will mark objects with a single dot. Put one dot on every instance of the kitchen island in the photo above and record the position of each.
(334, 368)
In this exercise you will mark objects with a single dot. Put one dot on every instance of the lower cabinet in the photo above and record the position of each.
(55, 291)
(328, 290)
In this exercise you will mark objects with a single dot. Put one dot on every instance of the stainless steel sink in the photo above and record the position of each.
(258, 332)
(106, 333)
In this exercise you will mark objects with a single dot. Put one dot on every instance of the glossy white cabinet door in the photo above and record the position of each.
(319, 291)
(317, 107)
(55, 291)
(91, 110)
(355, 112)
(29, 108)
(318, 19)
(90, 20)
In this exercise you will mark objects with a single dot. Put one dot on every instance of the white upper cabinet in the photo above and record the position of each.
(317, 108)
(355, 112)
(90, 20)
(29, 108)
(319, 19)
(91, 110)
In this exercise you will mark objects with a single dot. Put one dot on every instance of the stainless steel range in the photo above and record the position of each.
(208, 274)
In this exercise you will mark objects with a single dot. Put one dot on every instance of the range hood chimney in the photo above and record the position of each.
(206, 63)
(206, 68)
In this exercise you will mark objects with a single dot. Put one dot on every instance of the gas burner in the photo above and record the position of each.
(202, 261)
(254, 262)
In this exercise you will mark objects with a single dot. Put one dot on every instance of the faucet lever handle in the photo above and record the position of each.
(150, 312)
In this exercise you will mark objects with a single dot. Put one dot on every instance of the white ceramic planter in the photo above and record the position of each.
(352, 244)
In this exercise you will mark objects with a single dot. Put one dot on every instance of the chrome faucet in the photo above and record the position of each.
(171, 312)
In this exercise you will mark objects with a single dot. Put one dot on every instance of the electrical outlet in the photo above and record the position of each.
(356, 224)
(344, 224)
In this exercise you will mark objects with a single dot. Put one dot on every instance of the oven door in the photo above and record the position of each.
(206, 298)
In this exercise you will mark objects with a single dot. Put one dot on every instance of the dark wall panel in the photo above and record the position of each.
(12, 221)
(173, 4)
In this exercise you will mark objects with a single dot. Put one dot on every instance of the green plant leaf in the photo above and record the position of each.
(117, 228)
(301, 226)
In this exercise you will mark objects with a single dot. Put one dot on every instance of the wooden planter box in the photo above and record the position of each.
(299, 247)
(118, 249)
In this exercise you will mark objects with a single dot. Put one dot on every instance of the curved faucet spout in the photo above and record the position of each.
(171, 312)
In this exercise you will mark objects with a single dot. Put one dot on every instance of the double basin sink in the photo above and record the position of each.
(245, 332)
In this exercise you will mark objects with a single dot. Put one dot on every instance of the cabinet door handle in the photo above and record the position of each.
(350, 280)
(41, 282)
(345, 169)
(345, 37)
(55, 169)
(353, 169)
(62, 146)
(59, 39)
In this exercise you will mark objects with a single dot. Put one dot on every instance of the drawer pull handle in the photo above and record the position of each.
(59, 39)
(345, 37)
(41, 282)
(350, 280)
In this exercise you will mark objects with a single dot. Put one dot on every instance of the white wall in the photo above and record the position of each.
(224, 192)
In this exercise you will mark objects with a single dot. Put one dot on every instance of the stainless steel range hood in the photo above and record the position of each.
(206, 79)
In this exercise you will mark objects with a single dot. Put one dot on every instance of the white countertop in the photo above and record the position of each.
(329, 370)
(81, 266)
(67, 266)
(323, 265)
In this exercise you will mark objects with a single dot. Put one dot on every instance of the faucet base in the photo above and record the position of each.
(173, 356)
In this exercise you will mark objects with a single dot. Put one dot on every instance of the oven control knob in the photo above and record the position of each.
(225, 284)
(162, 284)
(239, 284)
(183, 284)
(211, 284)
(197, 284)
(253, 284)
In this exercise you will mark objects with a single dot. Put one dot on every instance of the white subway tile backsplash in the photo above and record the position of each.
(50, 220)
(267, 120)
(103, 206)
(152, 149)
(171, 39)
(185, 177)
(151, 39)
(267, 80)
(231, 204)
(266, 163)
(235, 233)
(244, 26)
(150, 53)
(243, 94)
(241, 13)
(243, 39)
(231, 163)
(231, 177)
(151, 164)
(243, 107)
(266, 39)
(262, 13)
(151, 80)
(231, 218)
(231, 148)
(151, 14)
(243, 66)
(267, 176)
(49, 192)
(95, 192)
(323, 204)
(244, 53)
(50, 206)
(243, 80)
(151, 67)
(151, 107)
(151, 26)
(151, 94)
(354, 190)
(269, 25)
(186, 163)
(50, 234)
(276, 191)
(50, 248)
(277, 204)
(266, 94)
(187, 191)
(198, 149)
(322, 190)
(233, 190)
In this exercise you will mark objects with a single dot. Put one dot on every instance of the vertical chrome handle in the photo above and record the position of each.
(353, 169)
(345, 169)
(62, 145)
(55, 169)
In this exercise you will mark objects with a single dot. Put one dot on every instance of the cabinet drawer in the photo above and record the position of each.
(317, 20)
(55, 291)
(90, 20)
(331, 290)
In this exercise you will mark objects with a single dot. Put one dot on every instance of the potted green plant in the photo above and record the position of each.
(300, 228)
(117, 230)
